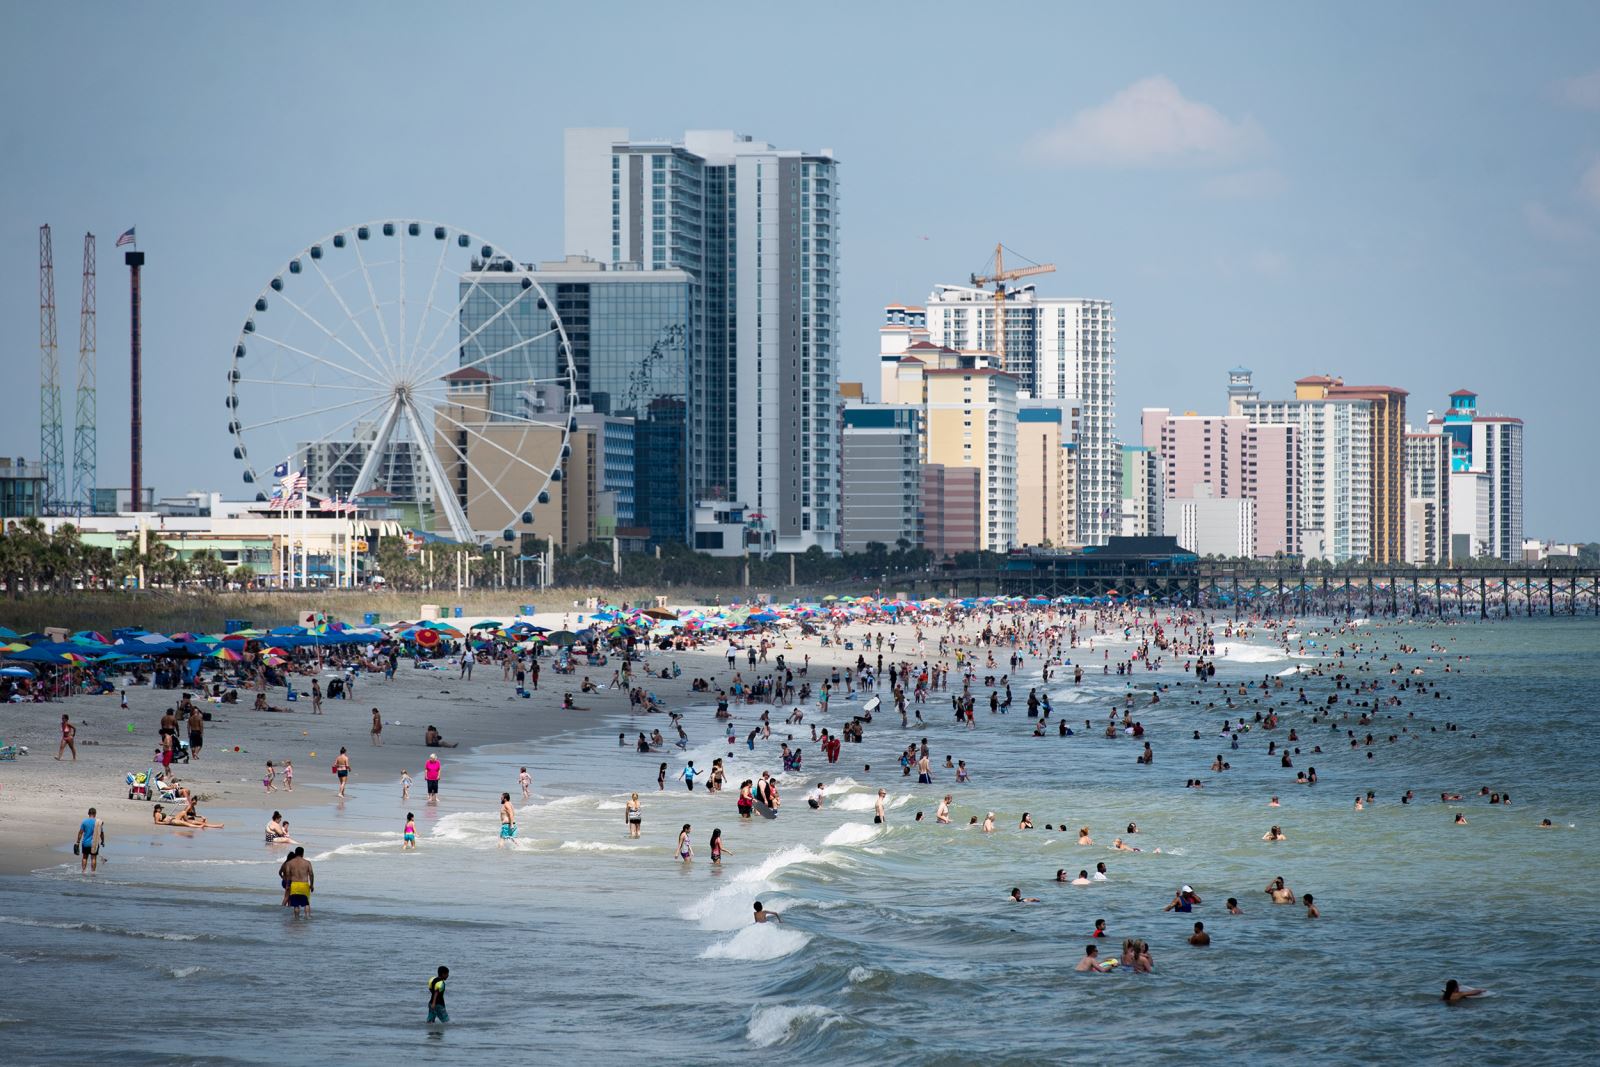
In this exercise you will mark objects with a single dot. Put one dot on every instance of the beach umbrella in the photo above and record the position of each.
(660, 613)
(15, 672)
(425, 637)
(442, 628)
(7, 633)
(15, 646)
(563, 638)
(90, 637)
(485, 624)
(228, 655)
(73, 657)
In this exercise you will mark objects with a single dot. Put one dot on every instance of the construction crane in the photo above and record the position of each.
(999, 276)
(85, 433)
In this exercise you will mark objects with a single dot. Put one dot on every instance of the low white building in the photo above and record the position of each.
(1209, 526)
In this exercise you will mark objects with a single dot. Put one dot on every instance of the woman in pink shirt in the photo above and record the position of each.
(430, 771)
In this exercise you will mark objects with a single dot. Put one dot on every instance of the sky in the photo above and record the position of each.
(1405, 194)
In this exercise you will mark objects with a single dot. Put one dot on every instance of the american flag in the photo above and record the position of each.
(126, 238)
(291, 489)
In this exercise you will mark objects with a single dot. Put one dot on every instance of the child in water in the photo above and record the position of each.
(410, 842)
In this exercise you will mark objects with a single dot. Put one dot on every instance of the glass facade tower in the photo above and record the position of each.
(631, 337)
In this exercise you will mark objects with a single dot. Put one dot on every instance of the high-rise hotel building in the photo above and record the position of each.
(1057, 349)
(756, 229)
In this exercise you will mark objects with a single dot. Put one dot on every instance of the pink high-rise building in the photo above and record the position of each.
(1234, 460)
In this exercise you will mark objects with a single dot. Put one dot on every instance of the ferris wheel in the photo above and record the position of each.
(410, 357)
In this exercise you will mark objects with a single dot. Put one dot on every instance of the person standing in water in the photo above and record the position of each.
(91, 836)
(717, 851)
(633, 815)
(508, 820)
(436, 1011)
(877, 808)
(685, 849)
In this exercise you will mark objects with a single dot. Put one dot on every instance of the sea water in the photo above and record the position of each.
(897, 944)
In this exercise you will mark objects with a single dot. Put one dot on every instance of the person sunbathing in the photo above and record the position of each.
(191, 817)
(433, 740)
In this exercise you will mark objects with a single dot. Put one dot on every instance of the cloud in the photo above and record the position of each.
(1245, 185)
(1581, 92)
(1148, 124)
(1562, 229)
(1589, 184)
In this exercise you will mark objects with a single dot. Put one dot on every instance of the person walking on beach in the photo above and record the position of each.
(316, 697)
(377, 727)
(91, 836)
(69, 734)
(661, 779)
(430, 772)
(508, 820)
(467, 660)
(341, 767)
(197, 731)
(633, 815)
(436, 1012)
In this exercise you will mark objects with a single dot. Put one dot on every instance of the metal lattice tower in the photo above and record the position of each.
(51, 455)
(85, 443)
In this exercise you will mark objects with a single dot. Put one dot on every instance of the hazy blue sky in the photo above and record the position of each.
(1401, 193)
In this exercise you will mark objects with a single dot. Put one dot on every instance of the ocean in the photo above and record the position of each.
(898, 944)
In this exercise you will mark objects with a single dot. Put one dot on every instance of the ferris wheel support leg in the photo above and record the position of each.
(443, 488)
(375, 451)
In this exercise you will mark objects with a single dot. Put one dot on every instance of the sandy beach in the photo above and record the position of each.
(42, 800)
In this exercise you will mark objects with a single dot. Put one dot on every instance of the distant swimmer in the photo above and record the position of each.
(1017, 897)
(1453, 992)
(1280, 893)
(1091, 960)
(1546, 824)
(763, 915)
(1273, 834)
(988, 823)
(1233, 906)
(943, 814)
(1311, 908)
(1199, 938)
(1084, 838)
(1082, 879)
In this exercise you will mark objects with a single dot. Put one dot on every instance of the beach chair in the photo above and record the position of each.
(160, 791)
(11, 751)
(139, 784)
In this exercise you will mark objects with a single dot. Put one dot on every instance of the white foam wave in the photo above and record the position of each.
(758, 941)
(181, 972)
(867, 801)
(728, 906)
(851, 833)
(858, 975)
(355, 848)
(1237, 653)
(18, 920)
(599, 846)
(779, 1022)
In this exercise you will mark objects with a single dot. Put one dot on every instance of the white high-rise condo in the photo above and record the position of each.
(1058, 348)
(756, 227)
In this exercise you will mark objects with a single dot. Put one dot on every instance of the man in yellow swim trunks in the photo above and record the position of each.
(302, 881)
